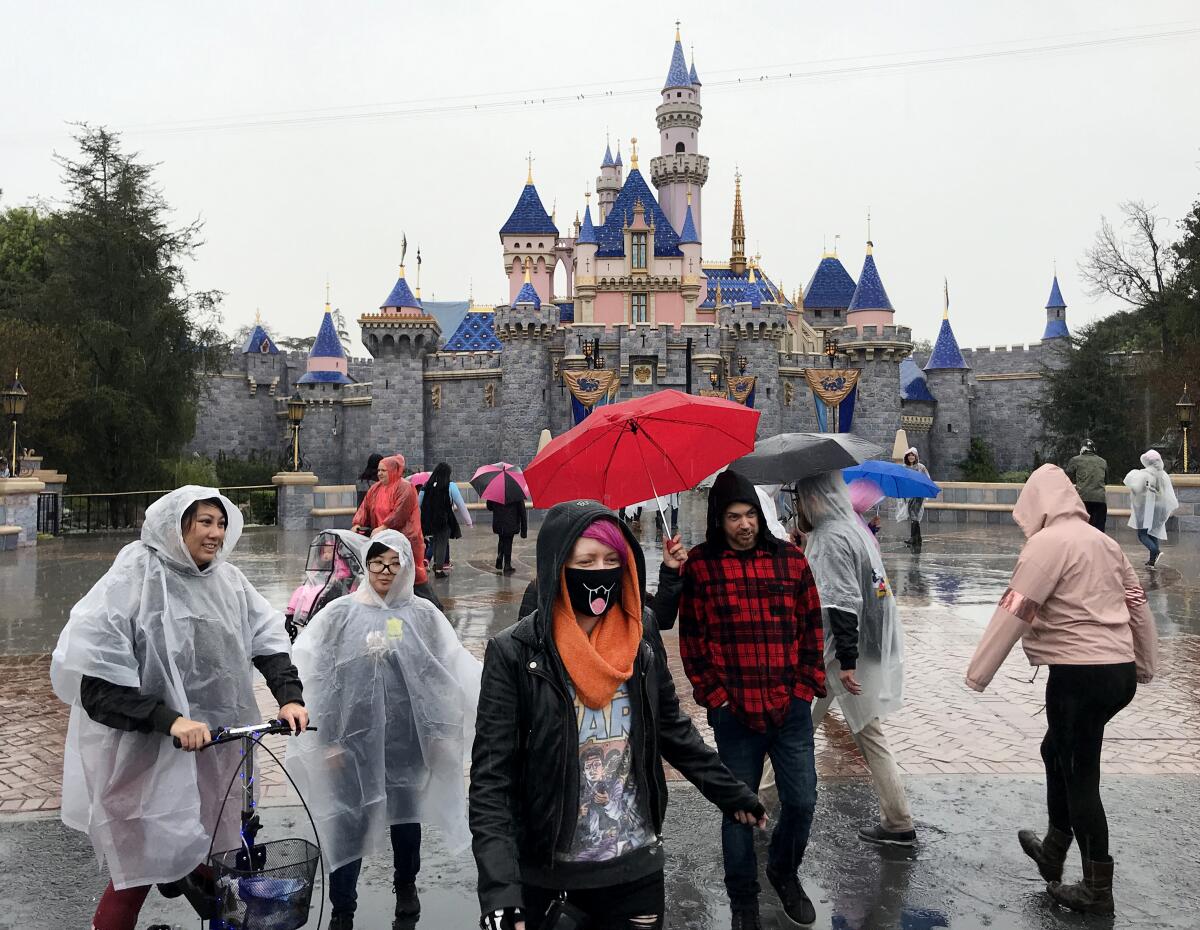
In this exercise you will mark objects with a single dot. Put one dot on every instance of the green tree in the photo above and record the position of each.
(115, 296)
(980, 463)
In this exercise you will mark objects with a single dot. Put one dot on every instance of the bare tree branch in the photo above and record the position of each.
(1130, 270)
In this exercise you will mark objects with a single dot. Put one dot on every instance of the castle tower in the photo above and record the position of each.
(679, 166)
(1056, 315)
(608, 184)
(870, 304)
(737, 261)
(526, 329)
(586, 246)
(327, 363)
(946, 376)
(399, 337)
(528, 238)
(828, 295)
(753, 328)
(263, 365)
(693, 277)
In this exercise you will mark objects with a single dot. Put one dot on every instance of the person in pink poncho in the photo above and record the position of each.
(1078, 607)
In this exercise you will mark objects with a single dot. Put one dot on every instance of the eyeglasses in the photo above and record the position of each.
(376, 568)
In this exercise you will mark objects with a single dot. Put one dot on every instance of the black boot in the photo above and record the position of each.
(508, 568)
(341, 922)
(1093, 895)
(916, 536)
(408, 904)
(499, 562)
(745, 917)
(1049, 853)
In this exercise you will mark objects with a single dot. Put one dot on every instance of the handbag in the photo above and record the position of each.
(563, 915)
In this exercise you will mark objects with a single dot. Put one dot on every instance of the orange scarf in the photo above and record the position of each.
(599, 663)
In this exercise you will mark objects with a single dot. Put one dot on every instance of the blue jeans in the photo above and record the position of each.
(1149, 542)
(743, 751)
(406, 863)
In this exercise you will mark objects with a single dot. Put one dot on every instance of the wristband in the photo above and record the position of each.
(503, 919)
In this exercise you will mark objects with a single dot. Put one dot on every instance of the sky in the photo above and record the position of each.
(986, 140)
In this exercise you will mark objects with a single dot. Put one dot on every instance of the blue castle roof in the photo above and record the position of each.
(617, 161)
(612, 234)
(869, 295)
(1056, 301)
(401, 296)
(323, 377)
(476, 333)
(693, 76)
(258, 339)
(528, 295)
(689, 227)
(587, 232)
(1056, 329)
(678, 75)
(608, 159)
(946, 353)
(529, 216)
(831, 286)
(913, 385)
(328, 345)
(738, 288)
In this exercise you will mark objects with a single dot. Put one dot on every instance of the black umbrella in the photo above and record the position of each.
(792, 456)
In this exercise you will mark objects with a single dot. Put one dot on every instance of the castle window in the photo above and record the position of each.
(678, 148)
(678, 93)
(818, 313)
(639, 250)
(541, 245)
(638, 305)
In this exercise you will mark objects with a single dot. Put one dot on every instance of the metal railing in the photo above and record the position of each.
(126, 510)
(48, 514)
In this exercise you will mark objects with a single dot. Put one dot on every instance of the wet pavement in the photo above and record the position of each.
(971, 760)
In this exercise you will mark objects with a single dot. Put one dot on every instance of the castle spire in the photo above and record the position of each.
(945, 298)
(633, 156)
(737, 261)
(529, 167)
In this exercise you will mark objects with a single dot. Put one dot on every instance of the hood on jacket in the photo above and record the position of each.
(732, 488)
(402, 584)
(563, 525)
(395, 467)
(162, 531)
(911, 450)
(824, 498)
(1152, 460)
(1048, 496)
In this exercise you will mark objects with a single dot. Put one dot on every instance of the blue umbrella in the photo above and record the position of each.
(893, 479)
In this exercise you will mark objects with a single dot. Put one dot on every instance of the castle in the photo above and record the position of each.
(644, 310)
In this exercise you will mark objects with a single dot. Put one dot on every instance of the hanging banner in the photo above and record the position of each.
(845, 411)
(741, 389)
(822, 414)
(590, 389)
(831, 384)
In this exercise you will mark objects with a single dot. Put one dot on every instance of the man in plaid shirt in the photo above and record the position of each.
(750, 636)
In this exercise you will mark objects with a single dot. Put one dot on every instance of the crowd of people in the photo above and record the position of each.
(567, 722)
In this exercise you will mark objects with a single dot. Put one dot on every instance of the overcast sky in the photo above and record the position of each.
(282, 126)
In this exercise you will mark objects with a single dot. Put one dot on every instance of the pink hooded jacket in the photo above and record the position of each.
(1074, 598)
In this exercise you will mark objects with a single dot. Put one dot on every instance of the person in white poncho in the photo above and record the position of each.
(394, 695)
(864, 645)
(162, 646)
(1152, 501)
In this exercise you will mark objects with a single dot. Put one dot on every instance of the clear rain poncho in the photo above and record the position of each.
(393, 695)
(1152, 496)
(158, 623)
(848, 569)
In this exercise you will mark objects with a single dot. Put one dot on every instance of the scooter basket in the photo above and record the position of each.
(275, 896)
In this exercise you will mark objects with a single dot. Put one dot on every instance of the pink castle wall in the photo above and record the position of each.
(539, 276)
(609, 309)
(325, 363)
(668, 308)
(861, 318)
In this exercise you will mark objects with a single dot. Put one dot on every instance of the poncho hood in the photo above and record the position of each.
(732, 488)
(1048, 496)
(824, 499)
(402, 585)
(162, 532)
(562, 527)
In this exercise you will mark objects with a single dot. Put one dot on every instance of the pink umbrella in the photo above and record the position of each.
(500, 483)
(419, 478)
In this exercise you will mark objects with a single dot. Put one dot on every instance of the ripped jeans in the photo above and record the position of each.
(635, 905)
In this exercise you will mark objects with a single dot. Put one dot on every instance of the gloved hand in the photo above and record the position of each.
(509, 918)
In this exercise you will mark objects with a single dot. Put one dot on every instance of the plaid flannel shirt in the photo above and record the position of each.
(750, 631)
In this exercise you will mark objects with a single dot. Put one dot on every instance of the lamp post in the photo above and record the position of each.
(831, 350)
(714, 379)
(742, 363)
(296, 408)
(1185, 409)
(14, 399)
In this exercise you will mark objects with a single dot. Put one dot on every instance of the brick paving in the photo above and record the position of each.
(944, 729)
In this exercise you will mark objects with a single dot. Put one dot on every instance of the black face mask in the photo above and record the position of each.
(593, 590)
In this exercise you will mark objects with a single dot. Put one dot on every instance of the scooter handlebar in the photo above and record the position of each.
(229, 734)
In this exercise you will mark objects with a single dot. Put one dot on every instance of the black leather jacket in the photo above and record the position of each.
(524, 795)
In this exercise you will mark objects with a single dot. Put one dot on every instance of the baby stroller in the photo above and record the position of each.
(333, 569)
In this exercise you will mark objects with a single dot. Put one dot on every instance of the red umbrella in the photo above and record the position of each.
(500, 482)
(629, 452)
(419, 478)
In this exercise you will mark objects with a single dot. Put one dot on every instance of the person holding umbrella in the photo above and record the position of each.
(751, 641)
(577, 714)
(502, 487)
(912, 509)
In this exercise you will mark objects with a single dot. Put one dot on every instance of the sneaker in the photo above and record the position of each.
(341, 922)
(796, 903)
(879, 836)
(408, 904)
(746, 919)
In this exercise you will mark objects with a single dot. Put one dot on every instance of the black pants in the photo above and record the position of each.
(504, 549)
(914, 533)
(1080, 700)
(406, 863)
(616, 907)
(1097, 514)
(440, 555)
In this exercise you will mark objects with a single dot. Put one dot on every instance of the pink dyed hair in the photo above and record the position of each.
(606, 531)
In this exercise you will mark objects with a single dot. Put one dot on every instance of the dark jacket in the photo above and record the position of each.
(524, 793)
(509, 519)
(437, 511)
(1089, 472)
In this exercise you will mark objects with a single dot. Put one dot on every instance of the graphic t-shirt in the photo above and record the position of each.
(610, 822)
